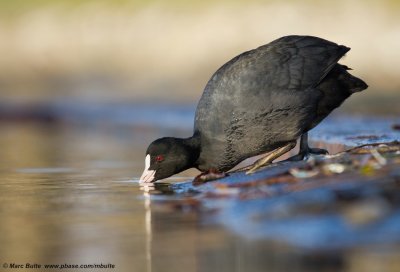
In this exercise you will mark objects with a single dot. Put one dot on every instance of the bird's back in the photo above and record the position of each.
(262, 99)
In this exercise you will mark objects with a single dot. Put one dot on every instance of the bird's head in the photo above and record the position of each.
(166, 157)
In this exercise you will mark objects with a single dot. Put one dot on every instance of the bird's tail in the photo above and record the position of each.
(353, 84)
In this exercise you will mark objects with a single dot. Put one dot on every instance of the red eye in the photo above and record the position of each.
(159, 158)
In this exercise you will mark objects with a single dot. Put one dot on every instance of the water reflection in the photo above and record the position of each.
(146, 188)
(60, 203)
(67, 197)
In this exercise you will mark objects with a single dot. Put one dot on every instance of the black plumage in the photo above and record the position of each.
(259, 101)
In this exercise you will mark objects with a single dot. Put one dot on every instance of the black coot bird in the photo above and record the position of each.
(260, 101)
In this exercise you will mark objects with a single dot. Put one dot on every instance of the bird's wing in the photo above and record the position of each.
(288, 63)
(266, 87)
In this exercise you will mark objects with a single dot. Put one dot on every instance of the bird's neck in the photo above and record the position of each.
(192, 148)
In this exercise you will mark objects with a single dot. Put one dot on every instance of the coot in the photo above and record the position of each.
(260, 101)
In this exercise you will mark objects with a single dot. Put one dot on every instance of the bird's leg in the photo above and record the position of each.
(305, 150)
(209, 175)
(270, 157)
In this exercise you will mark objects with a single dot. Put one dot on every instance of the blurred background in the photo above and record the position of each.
(86, 85)
(165, 51)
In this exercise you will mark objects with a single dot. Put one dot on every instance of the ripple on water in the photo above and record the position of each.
(46, 170)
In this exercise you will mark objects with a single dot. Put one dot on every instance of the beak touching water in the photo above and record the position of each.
(148, 175)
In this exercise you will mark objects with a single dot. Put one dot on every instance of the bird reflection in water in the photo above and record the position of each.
(146, 188)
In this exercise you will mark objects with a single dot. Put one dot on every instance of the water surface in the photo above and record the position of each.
(69, 194)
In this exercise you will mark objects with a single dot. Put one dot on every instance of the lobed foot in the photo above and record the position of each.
(209, 175)
(305, 154)
(318, 151)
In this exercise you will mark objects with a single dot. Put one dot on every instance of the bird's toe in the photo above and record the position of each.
(318, 151)
(208, 176)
